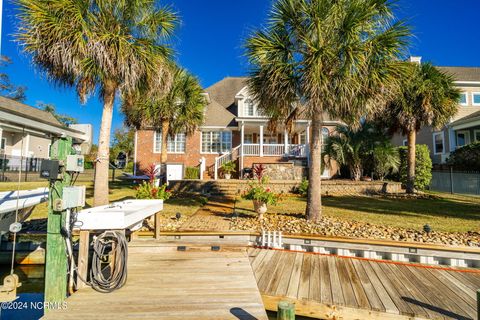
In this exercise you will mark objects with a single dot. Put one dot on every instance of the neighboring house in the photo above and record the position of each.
(234, 129)
(26, 131)
(463, 128)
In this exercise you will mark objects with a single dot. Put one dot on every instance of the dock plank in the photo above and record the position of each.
(175, 285)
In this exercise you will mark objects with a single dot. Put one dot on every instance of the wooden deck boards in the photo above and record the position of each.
(175, 285)
(328, 286)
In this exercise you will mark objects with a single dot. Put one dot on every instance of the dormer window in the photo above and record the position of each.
(249, 108)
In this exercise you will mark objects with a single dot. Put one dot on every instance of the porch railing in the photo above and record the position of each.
(251, 149)
(273, 149)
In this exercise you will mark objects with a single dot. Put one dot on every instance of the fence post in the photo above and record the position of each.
(451, 179)
(285, 310)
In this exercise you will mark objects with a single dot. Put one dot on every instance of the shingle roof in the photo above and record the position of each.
(463, 73)
(27, 111)
(217, 115)
(470, 117)
(224, 91)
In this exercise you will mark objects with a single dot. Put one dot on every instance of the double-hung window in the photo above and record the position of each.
(175, 144)
(438, 143)
(216, 141)
(249, 108)
(476, 99)
(463, 99)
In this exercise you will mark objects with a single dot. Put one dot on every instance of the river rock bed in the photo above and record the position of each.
(330, 226)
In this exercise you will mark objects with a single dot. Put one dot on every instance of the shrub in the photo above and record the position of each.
(148, 190)
(228, 167)
(466, 157)
(88, 165)
(259, 192)
(386, 160)
(303, 188)
(423, 166)
(192, 173)
(129, 166)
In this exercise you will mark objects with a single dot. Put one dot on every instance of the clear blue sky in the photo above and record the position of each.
(209, 44)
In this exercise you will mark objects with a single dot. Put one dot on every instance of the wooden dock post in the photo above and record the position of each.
(157, 225)
(56, 259)
(478, 304)
(82, 271)
(285, 310)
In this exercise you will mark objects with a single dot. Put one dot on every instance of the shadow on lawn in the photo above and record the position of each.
(407, 207)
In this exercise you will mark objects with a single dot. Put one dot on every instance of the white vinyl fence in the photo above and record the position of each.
(456, 182)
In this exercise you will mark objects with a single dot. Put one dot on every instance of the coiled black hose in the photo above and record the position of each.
(113, 277)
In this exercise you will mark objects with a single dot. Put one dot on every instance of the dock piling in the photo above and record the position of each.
(286, 310)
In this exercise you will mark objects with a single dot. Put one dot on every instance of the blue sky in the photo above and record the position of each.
(209, 44)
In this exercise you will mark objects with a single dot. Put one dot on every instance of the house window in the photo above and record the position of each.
(325, 134)
(248, 138)
(303, 138)
(175, 144)
(476, 98)
(463, 138)
(249, 108)
(216, 141)
(463, 99)
(476, 135)
(438, 143)
(3, 143)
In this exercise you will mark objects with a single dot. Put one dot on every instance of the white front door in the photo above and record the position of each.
(174, 172)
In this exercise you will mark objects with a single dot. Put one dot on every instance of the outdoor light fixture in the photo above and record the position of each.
(427, 228)
(178, 215)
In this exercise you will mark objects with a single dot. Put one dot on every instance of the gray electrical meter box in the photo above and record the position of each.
(73, 197)
(75, 163)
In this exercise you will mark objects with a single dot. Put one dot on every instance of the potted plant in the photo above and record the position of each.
(259, 193)
(228, 168)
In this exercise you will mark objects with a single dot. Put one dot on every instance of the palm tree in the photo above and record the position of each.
(318, 56)
(426, 97)
(180, 110)
(386, 159)
(353, 147)
(99, 46)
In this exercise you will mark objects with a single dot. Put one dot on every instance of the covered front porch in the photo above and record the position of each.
(255, 140)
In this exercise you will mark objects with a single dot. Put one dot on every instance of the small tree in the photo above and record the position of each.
(423, 166)
(427, 97)
(7, 88)
(386, 160)
(123, 142)
(50, 108)
(466, 157)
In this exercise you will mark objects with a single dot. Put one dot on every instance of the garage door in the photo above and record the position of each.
(174, 172)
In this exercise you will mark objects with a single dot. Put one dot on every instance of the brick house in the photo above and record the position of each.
(463, 127)
(233, 130)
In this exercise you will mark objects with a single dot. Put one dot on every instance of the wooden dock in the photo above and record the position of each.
(329, 287)
(164, 283)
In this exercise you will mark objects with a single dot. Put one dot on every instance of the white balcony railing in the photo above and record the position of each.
(295, 150)
(273, 149)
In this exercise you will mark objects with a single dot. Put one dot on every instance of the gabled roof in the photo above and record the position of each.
(21, 109)
(463, 73)
(471, 117)
(217, 115)
(224, 91)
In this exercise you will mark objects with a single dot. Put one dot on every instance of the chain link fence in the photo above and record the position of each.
(462, 182)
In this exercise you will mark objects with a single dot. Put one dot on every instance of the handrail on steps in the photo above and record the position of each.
(219, 161)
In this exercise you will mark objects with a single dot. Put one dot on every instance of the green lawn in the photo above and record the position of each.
(118, 191)
(447, 213)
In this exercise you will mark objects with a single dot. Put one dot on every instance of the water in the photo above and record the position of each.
(29, 304)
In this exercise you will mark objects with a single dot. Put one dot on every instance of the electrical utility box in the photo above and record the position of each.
(75, 163)
(49, 169)
(73, 197)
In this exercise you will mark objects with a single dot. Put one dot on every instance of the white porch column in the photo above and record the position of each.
(285, 141)
(242, 140)
(135, 154)
(307, 142)
(261, 141)
(27, 145)
(452, 139)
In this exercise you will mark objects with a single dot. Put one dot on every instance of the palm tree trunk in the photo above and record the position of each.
(356, 172)
(411, 139)
(101, 168)
(314, 198)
